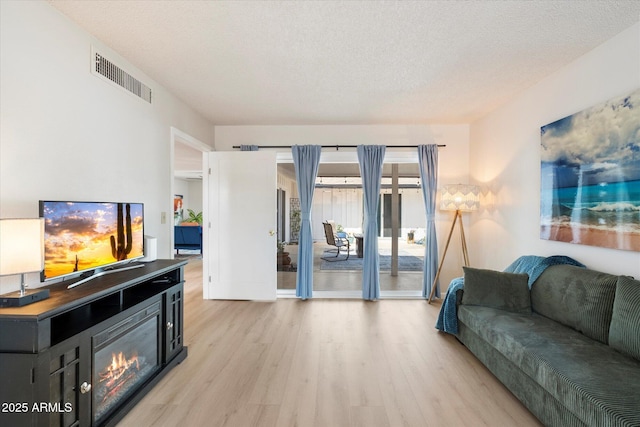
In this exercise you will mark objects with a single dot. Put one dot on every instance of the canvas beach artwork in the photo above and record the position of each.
(590, 176)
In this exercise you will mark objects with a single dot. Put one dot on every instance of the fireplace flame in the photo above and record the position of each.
(119, 371)
(120, 363)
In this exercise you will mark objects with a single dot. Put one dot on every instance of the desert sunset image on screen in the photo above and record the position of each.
(83, 236)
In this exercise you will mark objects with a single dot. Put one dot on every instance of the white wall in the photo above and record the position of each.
(453, 160)
(505, 158)
(68, 135)
(195, 195)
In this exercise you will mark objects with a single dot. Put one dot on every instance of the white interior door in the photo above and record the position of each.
(240, 243)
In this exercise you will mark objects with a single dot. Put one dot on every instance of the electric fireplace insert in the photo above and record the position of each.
(124, 356)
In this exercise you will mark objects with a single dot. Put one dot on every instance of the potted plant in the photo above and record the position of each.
(282, 257)
(193, 218)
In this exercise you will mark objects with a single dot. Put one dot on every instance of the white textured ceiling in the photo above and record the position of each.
(349, 62)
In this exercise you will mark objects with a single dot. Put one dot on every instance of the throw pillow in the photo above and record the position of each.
(624, 334)
(495, 289)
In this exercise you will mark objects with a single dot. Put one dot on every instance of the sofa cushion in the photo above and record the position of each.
(576, 297)
(504, 291)
(593, 381)
(549, 410)
(624, 334)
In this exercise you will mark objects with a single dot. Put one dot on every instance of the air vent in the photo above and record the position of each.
(107, 69)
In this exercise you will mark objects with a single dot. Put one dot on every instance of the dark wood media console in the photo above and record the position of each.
(58, 356)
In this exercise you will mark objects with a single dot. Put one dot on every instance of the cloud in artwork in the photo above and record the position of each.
(603, 141)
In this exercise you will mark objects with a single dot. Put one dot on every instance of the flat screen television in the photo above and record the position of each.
(90, 237)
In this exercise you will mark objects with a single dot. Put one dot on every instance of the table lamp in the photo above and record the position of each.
(459, 198)
(22, 252)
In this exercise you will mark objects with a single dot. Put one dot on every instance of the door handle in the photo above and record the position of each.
(272, 233)
(85, 388)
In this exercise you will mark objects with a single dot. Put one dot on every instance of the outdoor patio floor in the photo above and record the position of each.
(351, 280)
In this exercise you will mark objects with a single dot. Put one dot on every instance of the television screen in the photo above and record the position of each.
(84, 236)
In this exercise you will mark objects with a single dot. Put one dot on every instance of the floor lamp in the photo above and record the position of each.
(459, 198)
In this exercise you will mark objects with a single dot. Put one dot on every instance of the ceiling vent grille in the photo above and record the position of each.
(107, 69)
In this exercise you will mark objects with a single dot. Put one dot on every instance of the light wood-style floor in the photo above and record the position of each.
(322, 363)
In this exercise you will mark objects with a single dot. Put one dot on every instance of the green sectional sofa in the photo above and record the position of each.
(568, 346)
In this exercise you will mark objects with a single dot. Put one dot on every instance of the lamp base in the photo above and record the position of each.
(17, 299)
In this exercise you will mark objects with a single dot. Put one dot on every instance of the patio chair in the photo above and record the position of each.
(338, 240)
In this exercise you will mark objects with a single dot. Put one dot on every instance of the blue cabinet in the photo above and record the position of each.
(187, 237)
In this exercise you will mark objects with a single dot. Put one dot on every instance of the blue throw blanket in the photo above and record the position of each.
(528, 264)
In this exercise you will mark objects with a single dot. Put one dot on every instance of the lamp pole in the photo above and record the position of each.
(465, 252)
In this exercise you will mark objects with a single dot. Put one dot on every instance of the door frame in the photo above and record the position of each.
(351, 156)
(176, 135)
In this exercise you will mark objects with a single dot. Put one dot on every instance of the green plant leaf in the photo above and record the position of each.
(194, 217)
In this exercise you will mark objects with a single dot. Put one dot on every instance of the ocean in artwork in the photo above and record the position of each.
(605, 206)
(590, 176)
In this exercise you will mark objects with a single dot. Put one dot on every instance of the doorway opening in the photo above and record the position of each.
(338, 198)
(187, 191)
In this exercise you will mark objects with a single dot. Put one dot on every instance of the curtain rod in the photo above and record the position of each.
(337, 147)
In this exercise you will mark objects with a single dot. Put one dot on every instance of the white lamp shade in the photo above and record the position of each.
(460, 197)
(21, 246)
